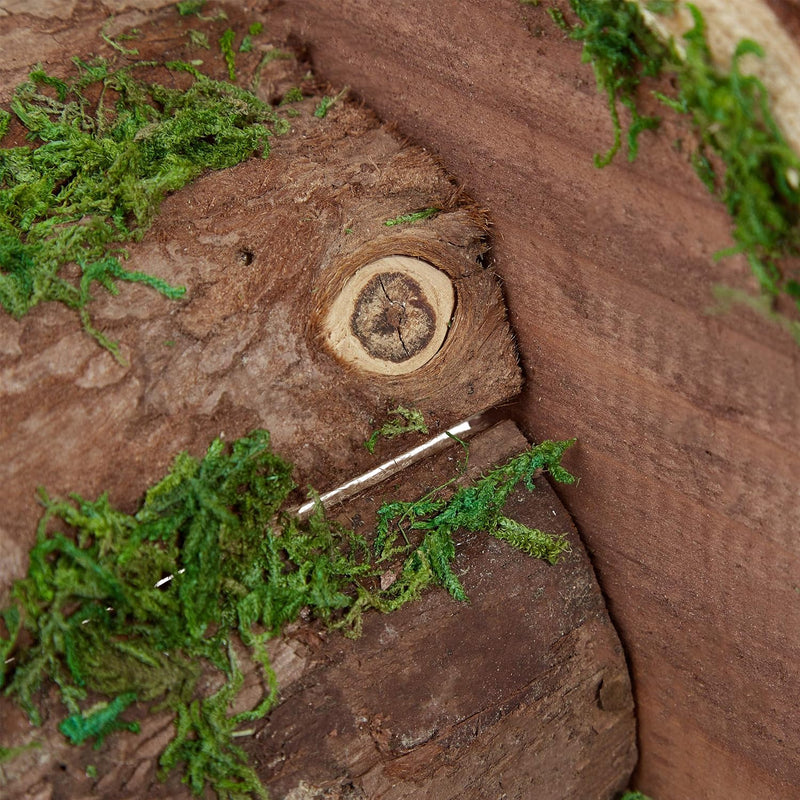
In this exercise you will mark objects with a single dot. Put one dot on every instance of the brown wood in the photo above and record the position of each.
(264, 249)
(788, 12)
(688, 422)
(523, 692)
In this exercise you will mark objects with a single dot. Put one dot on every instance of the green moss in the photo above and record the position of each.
(325, 105)
(730, 112)
(477, 507)
(99, 721)
(401, 421)
(119, 47)
(188, 7)
(761, 181)
(557, 16)
(137, 607)
(728, 298)
(247, 42)
(414, 216)
(622, 51)
(293, 95)
(99, 170)
(226, 48)
(10, 753)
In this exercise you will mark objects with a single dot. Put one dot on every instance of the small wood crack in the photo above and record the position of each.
(392, 317)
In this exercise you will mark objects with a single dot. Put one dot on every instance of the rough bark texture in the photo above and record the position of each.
(263, 249)
(521, 693)
(687, 422)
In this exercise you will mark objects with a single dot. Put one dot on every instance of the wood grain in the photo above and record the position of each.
(688, 422)
(524, 690)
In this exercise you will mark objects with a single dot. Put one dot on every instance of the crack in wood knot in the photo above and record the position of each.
(392, 318)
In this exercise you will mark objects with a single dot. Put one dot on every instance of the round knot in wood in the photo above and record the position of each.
(392, 319)
(392, 315)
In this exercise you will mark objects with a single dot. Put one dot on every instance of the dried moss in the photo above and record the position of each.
(136, 607)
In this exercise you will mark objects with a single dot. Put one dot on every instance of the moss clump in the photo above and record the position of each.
(730, 112)
(761, 181)
(401, 421)
(136, 607)
(477, 507)
(109, 146)
(622, 51)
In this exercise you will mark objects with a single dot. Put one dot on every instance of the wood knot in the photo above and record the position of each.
(391, 316)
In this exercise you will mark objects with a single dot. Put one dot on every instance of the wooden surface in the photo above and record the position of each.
(264, 249)
(523, 692)
(688, 422)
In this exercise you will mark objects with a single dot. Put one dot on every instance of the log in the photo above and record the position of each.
(687, 421)
(522, 692)
(265, 250)
(525, 689)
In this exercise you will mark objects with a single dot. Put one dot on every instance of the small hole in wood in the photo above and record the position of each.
(245, 256)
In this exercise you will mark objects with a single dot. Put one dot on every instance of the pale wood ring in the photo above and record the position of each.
(392, 316)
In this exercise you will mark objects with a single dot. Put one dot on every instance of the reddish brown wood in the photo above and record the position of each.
(688, 422)
(788, 12)
(522, 692)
